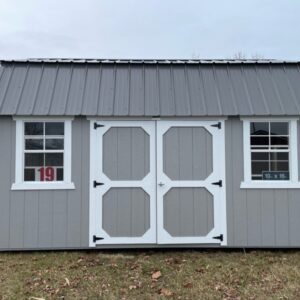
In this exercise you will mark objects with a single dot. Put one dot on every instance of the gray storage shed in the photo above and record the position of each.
(149, 153)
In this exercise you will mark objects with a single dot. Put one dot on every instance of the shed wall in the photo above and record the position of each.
(257, 217)
(44, 219)
(59, 219)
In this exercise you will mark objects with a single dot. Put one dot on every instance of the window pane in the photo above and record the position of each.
(279, 156)
(34, 128)
(34, 144)
(279, 128)
(59, 174)
(260, 141)
(259, 128)
(29, 175)
(259, 167)
(54, 144)
(260, 156)
(54, 159)
(279, 166)
(34, 159)
(55, 128)
(279, 140)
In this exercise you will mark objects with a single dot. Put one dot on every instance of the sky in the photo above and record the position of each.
(147, 29)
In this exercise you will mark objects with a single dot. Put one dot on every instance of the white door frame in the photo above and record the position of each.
(148, 183)
(219, 193)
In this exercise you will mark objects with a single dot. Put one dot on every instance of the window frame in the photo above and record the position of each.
(19, 183)
(293, 182)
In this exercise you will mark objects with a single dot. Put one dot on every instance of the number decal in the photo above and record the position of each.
(46, 173)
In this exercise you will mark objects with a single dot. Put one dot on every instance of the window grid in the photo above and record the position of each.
(42, 137)
(268, 149)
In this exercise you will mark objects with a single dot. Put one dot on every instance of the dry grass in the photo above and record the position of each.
(150, 275)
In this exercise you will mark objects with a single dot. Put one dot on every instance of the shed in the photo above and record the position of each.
(149, 153)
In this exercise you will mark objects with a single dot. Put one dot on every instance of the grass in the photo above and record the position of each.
(150, 275)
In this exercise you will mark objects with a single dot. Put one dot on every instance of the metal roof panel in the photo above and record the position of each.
(149, 87)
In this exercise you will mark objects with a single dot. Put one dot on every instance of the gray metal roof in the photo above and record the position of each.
(96, 87)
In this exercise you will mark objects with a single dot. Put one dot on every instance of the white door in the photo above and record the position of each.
(123, 182)
(191, 182)
(157, 182)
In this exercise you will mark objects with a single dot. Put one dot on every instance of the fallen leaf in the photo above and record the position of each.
(67, 281)
(156, 275)
(188, 285)
(36, 298)
(166, 292)
(132, 287)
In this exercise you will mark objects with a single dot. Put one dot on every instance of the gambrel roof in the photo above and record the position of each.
(149, 88)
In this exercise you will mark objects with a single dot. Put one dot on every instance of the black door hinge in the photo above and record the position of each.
(218, 125)
(95, 183)
(97, 238)
(219, 183)
(219, 237)
(96, 125)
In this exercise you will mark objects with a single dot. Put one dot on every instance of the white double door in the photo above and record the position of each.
(157, 182)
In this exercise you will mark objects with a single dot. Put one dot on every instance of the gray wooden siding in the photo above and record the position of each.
(257, 217)
(59, 219)
(44, 219)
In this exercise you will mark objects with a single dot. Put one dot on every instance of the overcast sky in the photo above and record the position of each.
(149, 28)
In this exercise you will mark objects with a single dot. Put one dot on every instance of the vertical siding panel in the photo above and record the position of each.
(31, 219)
(74, 196)
(239, 196)
(85, 183)
(6, 158)
(45, 218)
(254, 217)
(281, 217)
(267, 218)
(16, 223)
(294, 218)
(59, 234)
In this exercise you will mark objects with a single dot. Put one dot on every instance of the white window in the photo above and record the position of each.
(270, 154)
(43, 154)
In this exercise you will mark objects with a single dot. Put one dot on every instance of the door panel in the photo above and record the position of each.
(190, 161)
(188, 212)
(123, 208)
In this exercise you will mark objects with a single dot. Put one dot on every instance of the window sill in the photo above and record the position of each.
(270, 185)
(43, 186)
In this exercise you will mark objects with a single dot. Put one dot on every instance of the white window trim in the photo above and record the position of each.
(19, 184)
(293, 183)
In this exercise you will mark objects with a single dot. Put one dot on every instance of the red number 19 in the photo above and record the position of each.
(46, 174)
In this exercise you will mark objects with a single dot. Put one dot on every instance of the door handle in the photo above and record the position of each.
(161, 184)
